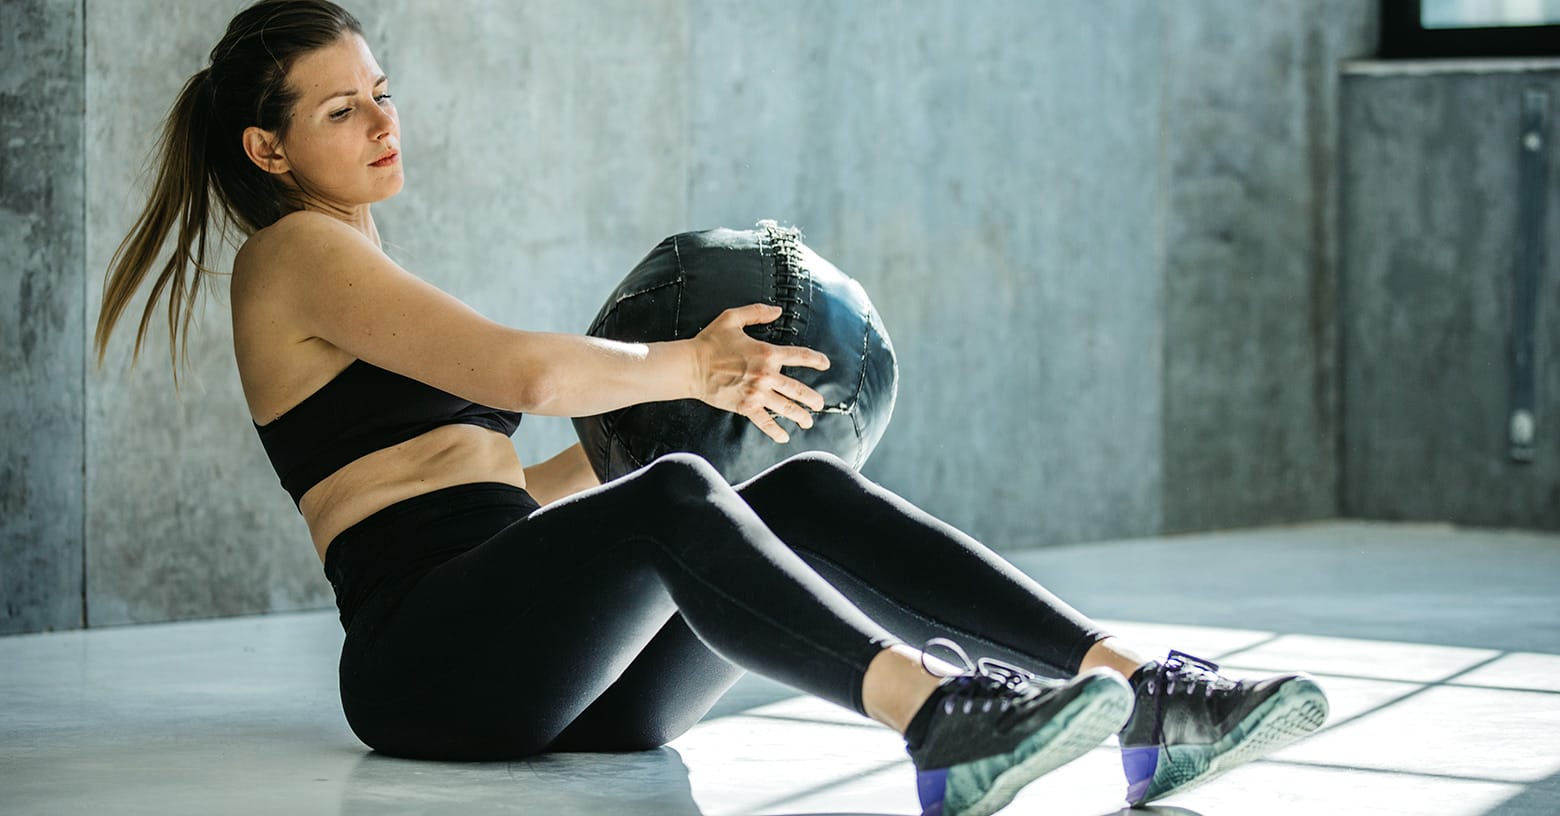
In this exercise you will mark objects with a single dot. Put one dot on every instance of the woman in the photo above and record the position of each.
(495, 611)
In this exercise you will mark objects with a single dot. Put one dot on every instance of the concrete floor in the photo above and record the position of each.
(1440, 649)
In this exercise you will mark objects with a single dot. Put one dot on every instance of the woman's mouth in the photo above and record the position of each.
(390, 158)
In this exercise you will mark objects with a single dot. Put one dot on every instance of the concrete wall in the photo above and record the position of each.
(42, 354)
(184, 517)
(992, 180)
(1430, 214)
(1249, 213)
(1099, 234)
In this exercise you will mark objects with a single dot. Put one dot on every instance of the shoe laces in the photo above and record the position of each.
(1189, 676)
(1184, 673)
(983, 677)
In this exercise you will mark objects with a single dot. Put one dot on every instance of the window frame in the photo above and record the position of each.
(1404, 37)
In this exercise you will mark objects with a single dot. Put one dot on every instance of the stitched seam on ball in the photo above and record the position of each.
(606, 314)
(637, 292)
(781, 244)
(866, 343)
(610, 421)
(681, 277)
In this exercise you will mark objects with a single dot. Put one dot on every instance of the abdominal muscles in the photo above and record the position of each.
(443, 457)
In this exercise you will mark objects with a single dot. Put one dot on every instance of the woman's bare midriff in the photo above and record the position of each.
(443, 457)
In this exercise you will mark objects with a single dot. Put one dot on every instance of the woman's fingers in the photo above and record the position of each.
(770, 394)
(768, 425)
(755, 314)
(790, 410)
(801, 357)
(798, 392)
(786, 398)
(751, 314)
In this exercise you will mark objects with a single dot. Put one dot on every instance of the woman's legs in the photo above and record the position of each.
(495, 651)
(668, 688)
(909, 570)
(675, 681)
(923, 578)
(918, 576)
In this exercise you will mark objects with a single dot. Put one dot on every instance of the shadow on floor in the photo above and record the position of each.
(643, 782)
(632, 783)
(1540, 798)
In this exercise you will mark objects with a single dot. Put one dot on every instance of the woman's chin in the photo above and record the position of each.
(389, 190)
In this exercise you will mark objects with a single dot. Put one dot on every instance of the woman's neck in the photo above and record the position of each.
(360, 217)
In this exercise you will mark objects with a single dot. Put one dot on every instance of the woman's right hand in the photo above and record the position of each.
(735, 372)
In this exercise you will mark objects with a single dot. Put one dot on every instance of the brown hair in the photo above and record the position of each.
(201, 152)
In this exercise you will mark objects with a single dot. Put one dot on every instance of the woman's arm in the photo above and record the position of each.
(334, 284)
(561, 476)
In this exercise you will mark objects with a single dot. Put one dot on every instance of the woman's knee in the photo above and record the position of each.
(680, 475)
(818, 460)
(810, 468)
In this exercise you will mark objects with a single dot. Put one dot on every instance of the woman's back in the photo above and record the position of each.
(298, 285)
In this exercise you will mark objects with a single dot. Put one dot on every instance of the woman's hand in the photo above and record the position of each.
(737, 373)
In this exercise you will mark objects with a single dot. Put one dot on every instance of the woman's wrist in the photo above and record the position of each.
(678, 364)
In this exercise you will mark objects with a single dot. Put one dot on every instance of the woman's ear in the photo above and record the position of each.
(265, 150)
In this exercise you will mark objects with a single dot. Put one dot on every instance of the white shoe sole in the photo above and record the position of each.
(1100, 710)
(1297, 709)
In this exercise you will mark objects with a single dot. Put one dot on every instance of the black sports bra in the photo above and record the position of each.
(364, 409)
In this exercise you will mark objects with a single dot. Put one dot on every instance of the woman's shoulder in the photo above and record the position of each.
(297, 254)
(277, 283)
(290, 237)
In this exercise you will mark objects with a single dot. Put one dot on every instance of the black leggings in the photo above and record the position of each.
(479, 627)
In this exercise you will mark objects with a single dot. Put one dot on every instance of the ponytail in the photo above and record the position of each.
(202, 169)
(182, 198)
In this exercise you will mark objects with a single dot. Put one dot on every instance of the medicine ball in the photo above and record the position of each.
(686, 282)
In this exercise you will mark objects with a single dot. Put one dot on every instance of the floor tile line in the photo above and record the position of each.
(1482, 687)
(1238, 667)
(1272, 637)
(1334, 766)
(871, 725)
(1423, 687)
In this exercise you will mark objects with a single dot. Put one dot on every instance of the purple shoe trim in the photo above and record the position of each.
(931, 787)
(1140, 764)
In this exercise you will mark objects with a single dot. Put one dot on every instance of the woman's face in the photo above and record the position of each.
(343, 142)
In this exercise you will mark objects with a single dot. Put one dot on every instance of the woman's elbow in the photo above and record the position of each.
(528, 374)
(533, 394)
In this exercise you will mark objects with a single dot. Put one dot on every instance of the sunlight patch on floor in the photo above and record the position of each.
(1414, 728)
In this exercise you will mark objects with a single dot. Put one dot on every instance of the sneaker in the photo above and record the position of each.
(1189, 723)
(996, 728)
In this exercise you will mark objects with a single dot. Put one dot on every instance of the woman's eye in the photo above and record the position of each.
(342, 114)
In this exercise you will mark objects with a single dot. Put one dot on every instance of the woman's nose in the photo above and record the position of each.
(384, 125)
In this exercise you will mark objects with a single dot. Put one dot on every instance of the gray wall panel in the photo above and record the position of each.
(986, 177)
(41, 352)
(1429, 176)
(184, 516)
(1250, 128)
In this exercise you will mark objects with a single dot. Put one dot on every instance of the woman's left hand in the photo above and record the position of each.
(735, 372)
